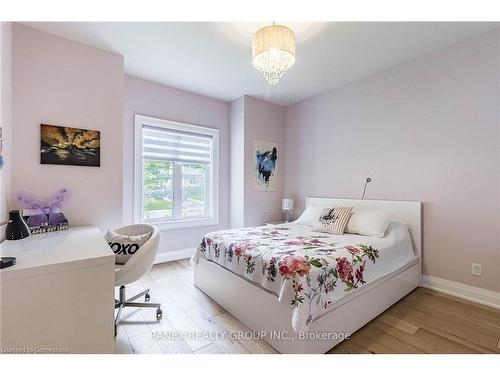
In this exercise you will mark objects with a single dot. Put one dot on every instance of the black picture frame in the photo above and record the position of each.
(64, 145)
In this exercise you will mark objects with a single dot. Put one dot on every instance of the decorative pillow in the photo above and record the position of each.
(125, 246)
(333, 220)
(310, 216)
(369, 223)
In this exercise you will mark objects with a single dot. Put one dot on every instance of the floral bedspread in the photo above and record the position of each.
(303, 270)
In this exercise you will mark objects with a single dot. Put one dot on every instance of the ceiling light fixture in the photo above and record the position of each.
(273, 51)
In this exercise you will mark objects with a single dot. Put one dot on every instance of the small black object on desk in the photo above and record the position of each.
(7, 262)
(16, 228)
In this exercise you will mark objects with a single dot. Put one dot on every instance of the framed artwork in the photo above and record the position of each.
(266, 165)
(64, 145)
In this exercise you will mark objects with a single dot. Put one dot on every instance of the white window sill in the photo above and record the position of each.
(184, 224)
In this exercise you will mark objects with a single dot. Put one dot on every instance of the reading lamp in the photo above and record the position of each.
(367, 181)
(287, 206)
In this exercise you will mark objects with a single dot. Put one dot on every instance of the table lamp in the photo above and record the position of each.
(287, 208)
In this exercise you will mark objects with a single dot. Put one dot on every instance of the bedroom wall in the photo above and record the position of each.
(237, 163)
(61, 82)
(263, 121)
(427, 130)
(5, 116)
(155, 100)
(253, 119)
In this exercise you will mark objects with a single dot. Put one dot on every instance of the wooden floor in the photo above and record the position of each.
(423, 322)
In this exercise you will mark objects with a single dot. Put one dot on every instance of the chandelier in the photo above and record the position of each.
(273, 51)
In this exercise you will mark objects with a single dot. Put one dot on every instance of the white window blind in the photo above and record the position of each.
(174, 145)
(176, 173)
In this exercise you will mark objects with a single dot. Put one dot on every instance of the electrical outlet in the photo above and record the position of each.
(476, 269)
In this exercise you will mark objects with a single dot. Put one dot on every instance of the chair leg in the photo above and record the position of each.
(138, 295)
(142, 304)
(122, 294)
(117, 318)
(120, 304)
(157, 306)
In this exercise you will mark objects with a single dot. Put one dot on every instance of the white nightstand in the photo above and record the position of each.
(277, 222)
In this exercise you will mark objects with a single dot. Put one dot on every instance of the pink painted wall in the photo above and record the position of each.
(253, 119)
(263, 121)
(60, 82)
(155, 100)
(5, 116)
(237, 163)
(427, 130)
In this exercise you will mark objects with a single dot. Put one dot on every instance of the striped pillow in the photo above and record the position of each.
(333, 220)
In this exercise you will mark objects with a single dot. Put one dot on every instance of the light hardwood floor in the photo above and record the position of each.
(423, 322)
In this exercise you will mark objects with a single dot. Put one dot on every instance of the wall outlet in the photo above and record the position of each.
(476, 269)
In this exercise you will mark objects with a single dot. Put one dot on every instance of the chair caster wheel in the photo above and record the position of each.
(147, 297)
(159, 314)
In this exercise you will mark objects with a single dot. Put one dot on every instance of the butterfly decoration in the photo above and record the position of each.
(41, 215)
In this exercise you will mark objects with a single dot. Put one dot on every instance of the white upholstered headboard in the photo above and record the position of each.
(406, 211)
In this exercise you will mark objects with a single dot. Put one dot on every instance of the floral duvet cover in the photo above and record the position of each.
(306, 270)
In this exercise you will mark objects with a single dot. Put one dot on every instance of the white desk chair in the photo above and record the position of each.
(136, 267)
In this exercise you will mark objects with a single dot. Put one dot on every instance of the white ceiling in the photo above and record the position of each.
(214, 59)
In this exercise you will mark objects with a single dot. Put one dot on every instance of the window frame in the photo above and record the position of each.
(212, 183)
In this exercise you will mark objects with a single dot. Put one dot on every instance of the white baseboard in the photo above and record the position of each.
(470, 293)
(170, 256)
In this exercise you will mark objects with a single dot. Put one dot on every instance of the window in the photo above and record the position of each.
(176, 173)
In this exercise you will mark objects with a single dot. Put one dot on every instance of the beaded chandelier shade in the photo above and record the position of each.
(273, 51)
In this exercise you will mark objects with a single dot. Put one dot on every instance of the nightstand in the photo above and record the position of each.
(277, 222)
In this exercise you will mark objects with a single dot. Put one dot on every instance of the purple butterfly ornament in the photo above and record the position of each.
(39, 215)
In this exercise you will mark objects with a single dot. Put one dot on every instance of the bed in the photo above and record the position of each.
(304, 291)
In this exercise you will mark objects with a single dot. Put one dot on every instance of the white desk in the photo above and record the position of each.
(59, 297)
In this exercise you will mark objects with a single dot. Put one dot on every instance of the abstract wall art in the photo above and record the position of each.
(70, 146)
(266, 164)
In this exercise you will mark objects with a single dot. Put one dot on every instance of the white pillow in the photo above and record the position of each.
(310, 216)
(125, 246)
(369, 223)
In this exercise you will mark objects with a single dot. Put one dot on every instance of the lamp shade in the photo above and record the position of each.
(287, 204)
(17, 228)
(273, 51)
